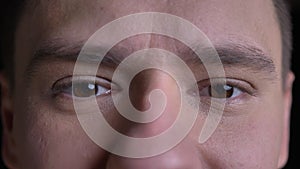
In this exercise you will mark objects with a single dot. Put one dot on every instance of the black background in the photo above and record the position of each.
(294, 149)
(294, 153)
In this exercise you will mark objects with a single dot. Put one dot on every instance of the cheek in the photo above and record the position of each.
(251, 140)
(48, 139)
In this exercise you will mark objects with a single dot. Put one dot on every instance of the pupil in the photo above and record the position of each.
(221, 91)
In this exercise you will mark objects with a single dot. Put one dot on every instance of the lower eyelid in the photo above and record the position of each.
(231, 104)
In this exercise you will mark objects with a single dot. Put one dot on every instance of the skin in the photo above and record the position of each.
(42, 131)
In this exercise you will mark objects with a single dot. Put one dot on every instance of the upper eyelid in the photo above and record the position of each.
(81, 77)
(241, 84)
(68, 80)
(89, 78)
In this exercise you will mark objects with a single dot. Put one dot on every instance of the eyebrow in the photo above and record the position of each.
(240, 55)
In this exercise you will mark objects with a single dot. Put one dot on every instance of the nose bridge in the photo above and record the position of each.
(145, 82)
(140, 89)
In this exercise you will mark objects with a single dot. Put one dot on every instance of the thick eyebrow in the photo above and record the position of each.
(246, 56)
(60, 50)
(231, 54)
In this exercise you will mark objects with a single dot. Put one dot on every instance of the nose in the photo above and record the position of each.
(185, 154)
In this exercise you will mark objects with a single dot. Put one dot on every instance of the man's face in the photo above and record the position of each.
(45, 130)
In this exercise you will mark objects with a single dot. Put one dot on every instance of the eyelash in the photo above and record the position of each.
(67, 86)
(238, 85)
(102, 87)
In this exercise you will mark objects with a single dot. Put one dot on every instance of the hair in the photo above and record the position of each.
(283, 12)
(13, 9)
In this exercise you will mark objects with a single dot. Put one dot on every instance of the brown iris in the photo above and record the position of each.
(221, 91)
(84, 89)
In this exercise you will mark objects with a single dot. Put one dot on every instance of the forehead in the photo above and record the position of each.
(241, 21)
(235, 17)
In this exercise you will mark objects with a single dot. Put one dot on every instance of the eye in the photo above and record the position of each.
(223, 91)
(82, 86)
(230, 90)
(88, 89)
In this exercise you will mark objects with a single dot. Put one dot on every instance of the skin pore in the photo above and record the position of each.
(42, 131)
